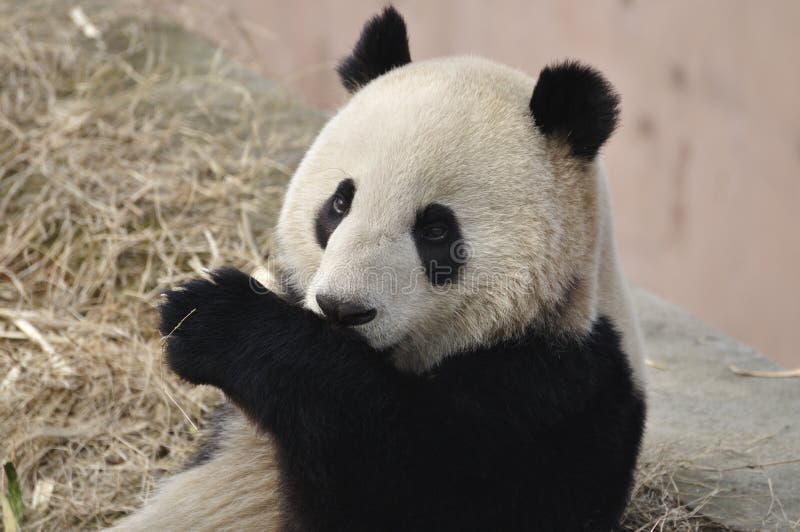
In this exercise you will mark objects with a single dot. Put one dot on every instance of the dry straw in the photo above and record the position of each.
(124, 170)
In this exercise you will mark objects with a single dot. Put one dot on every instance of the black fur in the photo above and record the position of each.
(443, 259)
(327, 218)
(213, 434)
(382, 46)
(533, 434)
(575, 102)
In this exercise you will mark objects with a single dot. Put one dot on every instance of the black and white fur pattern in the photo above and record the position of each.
(489, 377)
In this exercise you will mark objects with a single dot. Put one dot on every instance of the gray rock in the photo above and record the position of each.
(734, 440)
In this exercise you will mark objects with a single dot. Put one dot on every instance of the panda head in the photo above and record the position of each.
(450, 203)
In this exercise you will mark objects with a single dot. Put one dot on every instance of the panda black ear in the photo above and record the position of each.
(575, 102)
(382, 46)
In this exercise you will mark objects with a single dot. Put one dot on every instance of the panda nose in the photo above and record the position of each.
(345, 312)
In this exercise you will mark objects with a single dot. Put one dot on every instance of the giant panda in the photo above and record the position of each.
(446, 341)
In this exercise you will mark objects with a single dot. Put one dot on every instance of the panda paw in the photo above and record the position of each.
(202, 321)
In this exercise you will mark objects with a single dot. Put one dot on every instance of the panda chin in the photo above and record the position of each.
(376, 337)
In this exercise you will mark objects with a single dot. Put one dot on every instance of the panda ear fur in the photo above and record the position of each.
(575, 102)
(382, 46)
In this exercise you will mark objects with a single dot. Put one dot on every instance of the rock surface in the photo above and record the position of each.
(735, 439)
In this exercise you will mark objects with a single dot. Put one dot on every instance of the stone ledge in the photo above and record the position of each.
(735, 440)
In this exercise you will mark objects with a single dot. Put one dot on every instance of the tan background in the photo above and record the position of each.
(705, 170)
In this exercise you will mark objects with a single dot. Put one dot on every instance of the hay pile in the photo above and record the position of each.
(130, 159)
(121, 172)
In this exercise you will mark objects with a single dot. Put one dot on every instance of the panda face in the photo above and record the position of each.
(451, 203)
(432, 215)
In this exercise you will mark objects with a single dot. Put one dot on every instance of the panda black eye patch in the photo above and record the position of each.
(439, 244)
(333, 211)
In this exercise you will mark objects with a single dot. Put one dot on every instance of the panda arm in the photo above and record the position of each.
(287, 368)
(330, 402)
(232, 333)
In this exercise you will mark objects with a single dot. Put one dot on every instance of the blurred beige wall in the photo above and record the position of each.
(705, 170)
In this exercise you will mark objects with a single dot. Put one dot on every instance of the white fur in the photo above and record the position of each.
(236, 490)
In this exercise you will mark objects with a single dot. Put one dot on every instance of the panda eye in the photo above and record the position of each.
(434, 232)
(333, 210)
(340, 204)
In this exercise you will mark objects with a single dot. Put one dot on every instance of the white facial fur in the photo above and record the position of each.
(457, 132)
